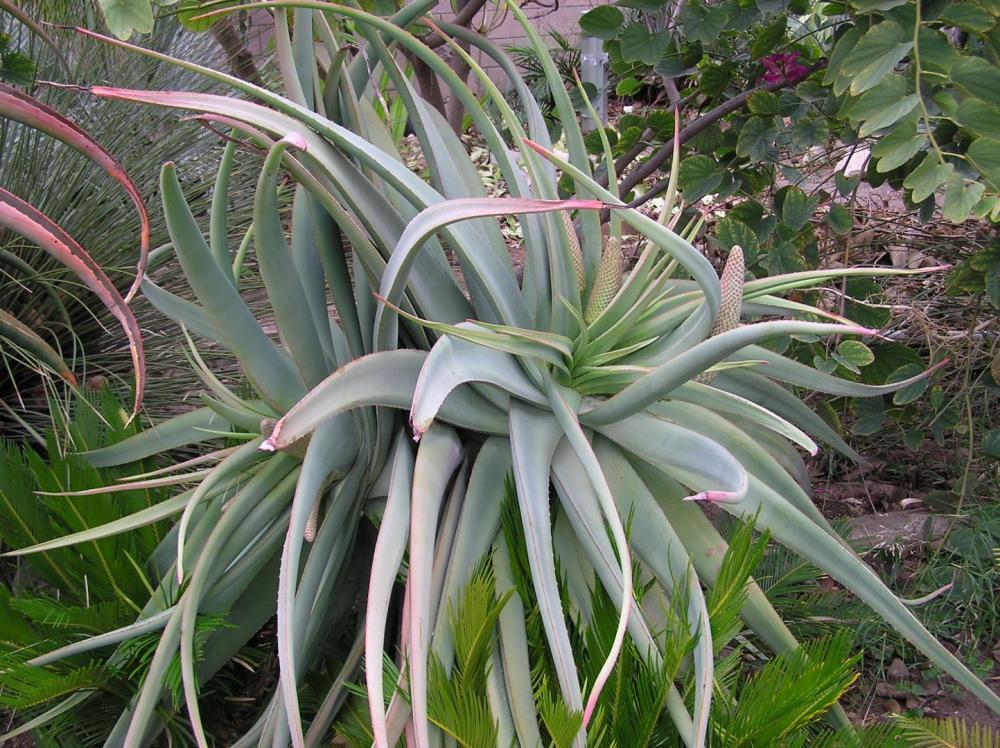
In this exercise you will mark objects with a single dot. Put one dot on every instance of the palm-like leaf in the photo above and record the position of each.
(602, 405)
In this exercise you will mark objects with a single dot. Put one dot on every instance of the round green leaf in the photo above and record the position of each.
(839, 219)
(856, 352)
(604, 22)
(911, 392)
(991, 444)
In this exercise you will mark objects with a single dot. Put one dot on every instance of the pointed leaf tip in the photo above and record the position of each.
(718, 497)
(296, 140)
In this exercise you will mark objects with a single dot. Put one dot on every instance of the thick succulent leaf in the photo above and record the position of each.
(437, 458)
(181, 311)
(523, 343)
(707, 548)
(690, 258)
(143, 517)
(777, 399)
(660, 548)
(273, 485)
(268, 368)
(509, 306)
(578, 156)
(790, 281)
(388, 554)
(388, 378)
(787, 370)
(354, 187)
(659, 382)
(692, 458)
(328, 452)
(309, 269)
(513, 651)
(583, 510)
(17, 105)
(474, 535)
(229, 470)
(743, 446)
(533, 437)
(726, 402)
(540, 177)
(29, 222)
(559, 401)
(144, 625)
(138, 485)
(453, 362)
(285, 291)
(802, 535)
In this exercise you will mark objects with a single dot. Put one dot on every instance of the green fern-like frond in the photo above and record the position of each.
(138, 652)
(462, 712)
(791, 691)
(26, 686)
(726, 598)
(49, 613)
(562, 723)
(473, 622)
(922, 732)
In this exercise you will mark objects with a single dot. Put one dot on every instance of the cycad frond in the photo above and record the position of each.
(726, 598)
(791, 691)
(923, 732)
(49, 613)
(462, 712)
(562, 723)
(473, 622)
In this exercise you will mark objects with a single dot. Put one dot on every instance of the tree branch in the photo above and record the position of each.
(462, 18)
(664, 152)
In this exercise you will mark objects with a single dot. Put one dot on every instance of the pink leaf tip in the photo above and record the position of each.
(716, 497)
(267, 445)
(296, 140)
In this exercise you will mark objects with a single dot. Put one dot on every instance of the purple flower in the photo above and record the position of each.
(782, 66)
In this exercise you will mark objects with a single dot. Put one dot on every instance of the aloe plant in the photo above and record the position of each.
(20, 216)
(619, 401)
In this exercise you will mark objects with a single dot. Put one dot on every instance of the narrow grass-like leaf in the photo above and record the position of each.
(19, 334)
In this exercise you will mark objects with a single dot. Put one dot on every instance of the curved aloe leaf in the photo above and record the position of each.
(659, 382)
(321, 460)
(690, 457)
(650, 536)
(388, 555)
(437, 458)
(269, 368)
(442, 214)
(805, 537)
(143, 517)
(453, 362)
(193, 427)
(29, 111)
(388, 378)
(566, 417)
(533, 439)
(284, 288)
(181, 311)
(31, 223)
